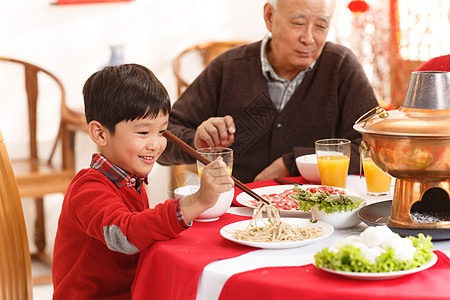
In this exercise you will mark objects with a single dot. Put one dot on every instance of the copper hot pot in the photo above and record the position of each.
(412, 144)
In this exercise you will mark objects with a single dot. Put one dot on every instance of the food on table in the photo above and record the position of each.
(376, 249)
(275, 230)
(322, 198)
(284, 201)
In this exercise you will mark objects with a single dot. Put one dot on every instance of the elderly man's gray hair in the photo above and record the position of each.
(273, 3)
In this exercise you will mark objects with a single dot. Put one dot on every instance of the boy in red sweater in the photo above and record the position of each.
(105, 218)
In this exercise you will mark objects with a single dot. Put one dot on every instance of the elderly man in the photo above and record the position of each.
(271, 100)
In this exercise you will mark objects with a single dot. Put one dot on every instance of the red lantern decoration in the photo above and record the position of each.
(358, 6)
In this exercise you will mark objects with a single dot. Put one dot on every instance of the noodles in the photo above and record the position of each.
(275, 230)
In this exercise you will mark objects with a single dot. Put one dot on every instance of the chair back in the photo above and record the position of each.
(15, 260)
(201, 54)
(35, 163)
(33, 78)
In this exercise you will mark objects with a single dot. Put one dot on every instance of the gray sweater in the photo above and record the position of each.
(331, 97)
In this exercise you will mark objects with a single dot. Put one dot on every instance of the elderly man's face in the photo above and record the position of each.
(299, 30)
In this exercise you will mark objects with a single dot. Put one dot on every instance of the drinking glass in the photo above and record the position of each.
(212, 154)
(378, 183)
(333, 158)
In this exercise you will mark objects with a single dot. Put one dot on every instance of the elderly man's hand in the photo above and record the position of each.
(276, 169)
(215, 132)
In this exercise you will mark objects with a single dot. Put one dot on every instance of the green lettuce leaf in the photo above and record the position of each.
(350, 258)
(324, 201)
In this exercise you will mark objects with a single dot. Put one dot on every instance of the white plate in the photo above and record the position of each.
(384, 275)
(246, 200)
(228, 233)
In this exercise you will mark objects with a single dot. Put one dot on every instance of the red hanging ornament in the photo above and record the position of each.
(358, 6)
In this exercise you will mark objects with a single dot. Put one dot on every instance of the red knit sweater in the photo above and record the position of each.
(100, 232)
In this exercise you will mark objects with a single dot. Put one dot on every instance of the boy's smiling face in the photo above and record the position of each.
(136, 145)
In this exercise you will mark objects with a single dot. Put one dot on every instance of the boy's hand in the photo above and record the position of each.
(214, 181)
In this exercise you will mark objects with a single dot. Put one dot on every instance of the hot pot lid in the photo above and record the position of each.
(405, 122)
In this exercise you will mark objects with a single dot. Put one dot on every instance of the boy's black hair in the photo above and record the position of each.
(123, 93)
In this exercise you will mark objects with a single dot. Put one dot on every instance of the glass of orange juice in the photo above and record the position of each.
(378, 183)
(333, 158)
(212, 154)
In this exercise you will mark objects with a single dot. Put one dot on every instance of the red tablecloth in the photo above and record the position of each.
(171, 269)
(254, 185)
(308, 282)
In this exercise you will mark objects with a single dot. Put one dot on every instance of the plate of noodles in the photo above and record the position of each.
(276, 233)
(278, 195)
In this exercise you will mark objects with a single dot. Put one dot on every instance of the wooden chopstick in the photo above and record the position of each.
(192, 152)
(248, 191)
(285, 181)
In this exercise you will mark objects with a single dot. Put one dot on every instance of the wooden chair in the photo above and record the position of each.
(37, 175)
(206, 52)
(200, 55)
(15, 261)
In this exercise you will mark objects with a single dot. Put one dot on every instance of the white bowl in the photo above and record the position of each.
(308, 167)
(213, 213)
(339, 219)
(186, 190)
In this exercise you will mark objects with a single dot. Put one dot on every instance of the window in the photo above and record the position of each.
(424, 29)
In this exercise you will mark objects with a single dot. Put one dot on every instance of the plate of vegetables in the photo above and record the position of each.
(282, 197)
(377, 254)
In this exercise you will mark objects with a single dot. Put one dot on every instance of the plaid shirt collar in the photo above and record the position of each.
(117, 176)
(268, 71)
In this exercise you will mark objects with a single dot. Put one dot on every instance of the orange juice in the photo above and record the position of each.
(200, 171)
(333, 169)
(377, 182)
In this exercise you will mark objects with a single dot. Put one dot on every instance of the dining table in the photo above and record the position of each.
(201, 264)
